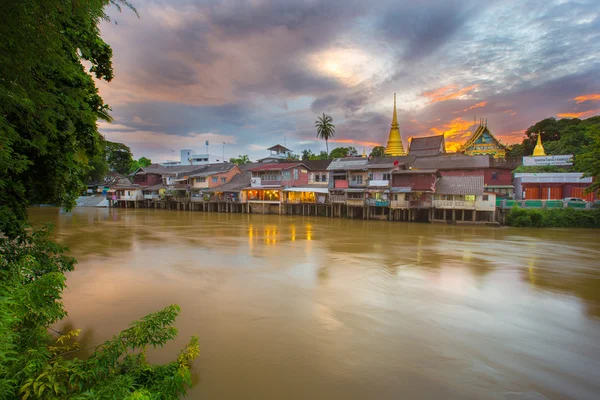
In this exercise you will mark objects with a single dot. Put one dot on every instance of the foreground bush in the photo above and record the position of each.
(553, 218)
(32, 362)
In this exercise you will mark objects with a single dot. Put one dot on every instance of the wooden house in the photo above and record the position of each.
(463, 198)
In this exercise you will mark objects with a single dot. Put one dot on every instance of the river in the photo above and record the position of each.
(291, 307)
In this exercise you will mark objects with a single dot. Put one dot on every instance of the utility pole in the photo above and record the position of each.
(207, 147)
(223, 152)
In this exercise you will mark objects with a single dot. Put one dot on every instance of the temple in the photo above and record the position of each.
(394, 145)
(482, 142)
(539, 148)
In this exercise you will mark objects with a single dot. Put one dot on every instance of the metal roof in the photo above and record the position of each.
(348, 164)
(236, 184)
(414, 171)
(460, 185)
(317, 165)
(452, 161)
(278, 147)
(212, 169)
(276, 166)
(553, 177)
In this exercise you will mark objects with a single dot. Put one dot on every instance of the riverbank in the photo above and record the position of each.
(553, 218)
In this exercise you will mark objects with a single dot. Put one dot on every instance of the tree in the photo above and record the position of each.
(340, 152)
(325, 128)
(98, 169)
(141, 163)
(307, 155)
(588, 161)
(242, 159)
(378, 151)
(292, 157)
(119, 157)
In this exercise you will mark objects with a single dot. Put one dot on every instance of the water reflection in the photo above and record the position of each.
(346, 308)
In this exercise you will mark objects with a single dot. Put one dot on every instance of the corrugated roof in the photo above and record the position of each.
(348, 164)
(388, 162)
(427, 146)
(317, 165)
(275, 166)
(248, 166)
(154, 187)
(278, 147)
(414, 171)
(460, 185)
(236, 184)
(452, 161)
(213, 169)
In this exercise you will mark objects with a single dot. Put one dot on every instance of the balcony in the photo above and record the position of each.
(378, 203)
(355, 202)
(419, 204)
(337, 198)
(399, 204)
(340, 184)
(132, 197)
(378, 183)
(458, 204)
(151, 196)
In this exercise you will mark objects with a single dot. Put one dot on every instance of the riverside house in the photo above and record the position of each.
(312, 197)
(210, 176)
(267, 184)
(463, 198)
(379, 178)
(347, 184)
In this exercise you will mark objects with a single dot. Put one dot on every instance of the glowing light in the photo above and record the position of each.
(480, 104)
(458, 128)
(587, 97)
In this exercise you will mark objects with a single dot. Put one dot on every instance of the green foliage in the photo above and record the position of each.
(588, 160)
(539, 168)
(292, 157)
(553, 218)
(340, 152)
(325, 128)
(32, 362)
(241, 159)
(378, 151)
(98, 169)
(516, 150)
(308, 155)
(118, 156)
(141, 163)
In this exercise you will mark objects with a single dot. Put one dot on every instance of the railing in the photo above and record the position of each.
(378, 183)
(507, 204)
(151, 196)
(399, 204)
(337, 198)
(197, 199)
(419, 204)
(355, 202)
(132, 197)
(460, 204)
(299, 201)
(378, 203)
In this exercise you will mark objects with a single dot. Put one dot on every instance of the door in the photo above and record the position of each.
(532, 193)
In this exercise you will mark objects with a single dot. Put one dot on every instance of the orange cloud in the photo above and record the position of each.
(509, 112)
(587, 97)
(456, 129)
(447, 93)
(576, 114)
(359, 142)
(480, 104)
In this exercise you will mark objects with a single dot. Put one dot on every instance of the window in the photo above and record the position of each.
(201, 179)
(387, 177)
(494, 176)
(295, 173)
(357, 179)
(324, 177)
(215, 179)
(486, 197)
(370, 176)
(223, 180)
(470, 197)
(287, 175)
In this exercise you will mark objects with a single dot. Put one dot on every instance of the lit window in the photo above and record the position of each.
(470, 197)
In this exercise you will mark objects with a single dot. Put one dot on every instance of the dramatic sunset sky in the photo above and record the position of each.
(256, 73)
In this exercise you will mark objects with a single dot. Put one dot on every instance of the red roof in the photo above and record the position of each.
(276, 166)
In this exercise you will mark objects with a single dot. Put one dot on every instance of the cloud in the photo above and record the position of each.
(578, 114)
(449, 92)
(587, 97)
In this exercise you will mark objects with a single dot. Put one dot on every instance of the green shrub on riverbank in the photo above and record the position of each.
(554, 218)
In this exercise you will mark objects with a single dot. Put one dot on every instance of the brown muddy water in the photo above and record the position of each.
(290, 307)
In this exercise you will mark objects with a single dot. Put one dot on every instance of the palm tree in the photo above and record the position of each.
(325, 128)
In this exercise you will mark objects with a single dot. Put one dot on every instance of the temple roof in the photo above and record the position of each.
(460, 185)
(427, 146)
(481, 129)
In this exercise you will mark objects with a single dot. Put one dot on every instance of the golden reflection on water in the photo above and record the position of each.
(303, 307)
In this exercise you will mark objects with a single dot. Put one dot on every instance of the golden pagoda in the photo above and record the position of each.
(539, 149)
(394, 145)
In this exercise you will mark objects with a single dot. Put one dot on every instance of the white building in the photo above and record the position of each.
(189, 158)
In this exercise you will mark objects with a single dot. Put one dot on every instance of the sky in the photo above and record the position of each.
(252, 74)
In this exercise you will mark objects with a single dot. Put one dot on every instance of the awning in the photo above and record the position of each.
(301, 189)
(111, 190)
(179, 180)
(401, 189)
(354, 190)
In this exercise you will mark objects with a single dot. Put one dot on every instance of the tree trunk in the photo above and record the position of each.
(327, 147)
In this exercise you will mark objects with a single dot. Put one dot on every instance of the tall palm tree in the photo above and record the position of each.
(325, 129)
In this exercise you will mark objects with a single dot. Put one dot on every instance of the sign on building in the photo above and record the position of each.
(566, 159)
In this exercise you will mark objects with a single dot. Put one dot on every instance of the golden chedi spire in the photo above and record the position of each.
(394, 145)
(364, 153)
(539, 149)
